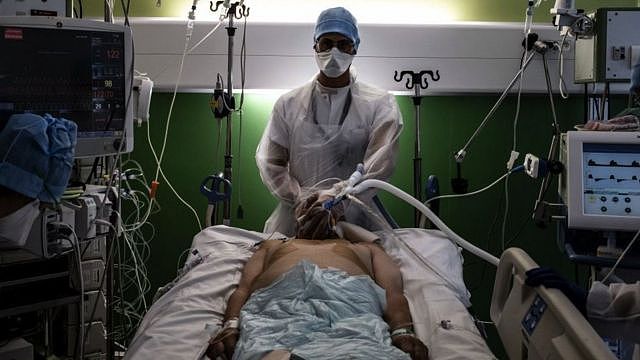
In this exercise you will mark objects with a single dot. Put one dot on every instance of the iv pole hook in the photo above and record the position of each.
(417, 81)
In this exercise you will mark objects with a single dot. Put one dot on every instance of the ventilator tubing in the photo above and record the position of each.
(350, 183)
(373, 183)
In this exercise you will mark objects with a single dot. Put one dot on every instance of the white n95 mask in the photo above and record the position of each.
(15, 227)
(333, 63)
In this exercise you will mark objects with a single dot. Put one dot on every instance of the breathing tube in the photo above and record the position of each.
(353, 187)
(373, 183)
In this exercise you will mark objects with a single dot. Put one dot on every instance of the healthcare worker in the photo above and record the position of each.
(36, 158)
(323, 129)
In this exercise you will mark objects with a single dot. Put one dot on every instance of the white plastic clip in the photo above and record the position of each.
(512, 159)
(446, 324)
(532, 165)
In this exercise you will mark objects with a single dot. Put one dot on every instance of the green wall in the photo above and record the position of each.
(464, 10)
(194, 151)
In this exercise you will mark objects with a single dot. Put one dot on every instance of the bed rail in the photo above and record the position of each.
(539, 323)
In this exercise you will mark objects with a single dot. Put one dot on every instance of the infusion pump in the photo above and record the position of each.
(85, 220)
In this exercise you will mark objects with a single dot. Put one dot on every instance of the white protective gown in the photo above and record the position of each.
(315, 134)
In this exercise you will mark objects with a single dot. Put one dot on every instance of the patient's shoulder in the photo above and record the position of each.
(268, 244)
(375, 246)
(375, 249)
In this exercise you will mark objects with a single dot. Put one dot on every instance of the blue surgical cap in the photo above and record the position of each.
(337, 20)
(36, 155)
(62, 144)
(635, 79)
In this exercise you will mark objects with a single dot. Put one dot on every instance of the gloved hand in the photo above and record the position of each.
(551, 279)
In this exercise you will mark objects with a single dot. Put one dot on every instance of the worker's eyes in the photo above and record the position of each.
(344, 45)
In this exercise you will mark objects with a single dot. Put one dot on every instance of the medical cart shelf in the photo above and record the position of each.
(26, 280)
(581, 247)
(35, 285)
(41, 305)
(603, 262)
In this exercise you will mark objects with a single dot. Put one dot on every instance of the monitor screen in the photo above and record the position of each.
(74, 69)
(601, 181)
(611, 179)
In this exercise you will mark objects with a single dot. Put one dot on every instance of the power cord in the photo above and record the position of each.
(451, 196)
(80, 333)
(613, 269)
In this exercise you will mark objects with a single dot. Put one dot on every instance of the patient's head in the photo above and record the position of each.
(314, 221)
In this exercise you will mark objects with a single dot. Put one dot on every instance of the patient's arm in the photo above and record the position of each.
(252, 269)
(387, 274)
(225, 340)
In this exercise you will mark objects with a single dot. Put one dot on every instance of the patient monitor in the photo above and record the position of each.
(601, 182)
(80, 70)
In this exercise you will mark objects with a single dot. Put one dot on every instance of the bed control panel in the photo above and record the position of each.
(533, 316)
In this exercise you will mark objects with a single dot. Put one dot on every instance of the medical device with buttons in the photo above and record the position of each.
(601, 182)
(608, 51)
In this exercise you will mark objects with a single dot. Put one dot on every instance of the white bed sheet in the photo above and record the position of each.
(179, 324)
(438, 303)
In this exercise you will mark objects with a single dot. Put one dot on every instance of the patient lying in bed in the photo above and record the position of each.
(318, 297)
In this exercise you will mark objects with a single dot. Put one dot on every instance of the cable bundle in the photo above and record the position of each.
(132, 252)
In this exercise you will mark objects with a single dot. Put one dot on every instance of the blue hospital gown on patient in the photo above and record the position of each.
(317, 314)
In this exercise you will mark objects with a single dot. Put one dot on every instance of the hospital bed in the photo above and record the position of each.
(179, 324)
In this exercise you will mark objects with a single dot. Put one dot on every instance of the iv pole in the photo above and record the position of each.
(228, 157)
(459, 156)
(416, 82)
